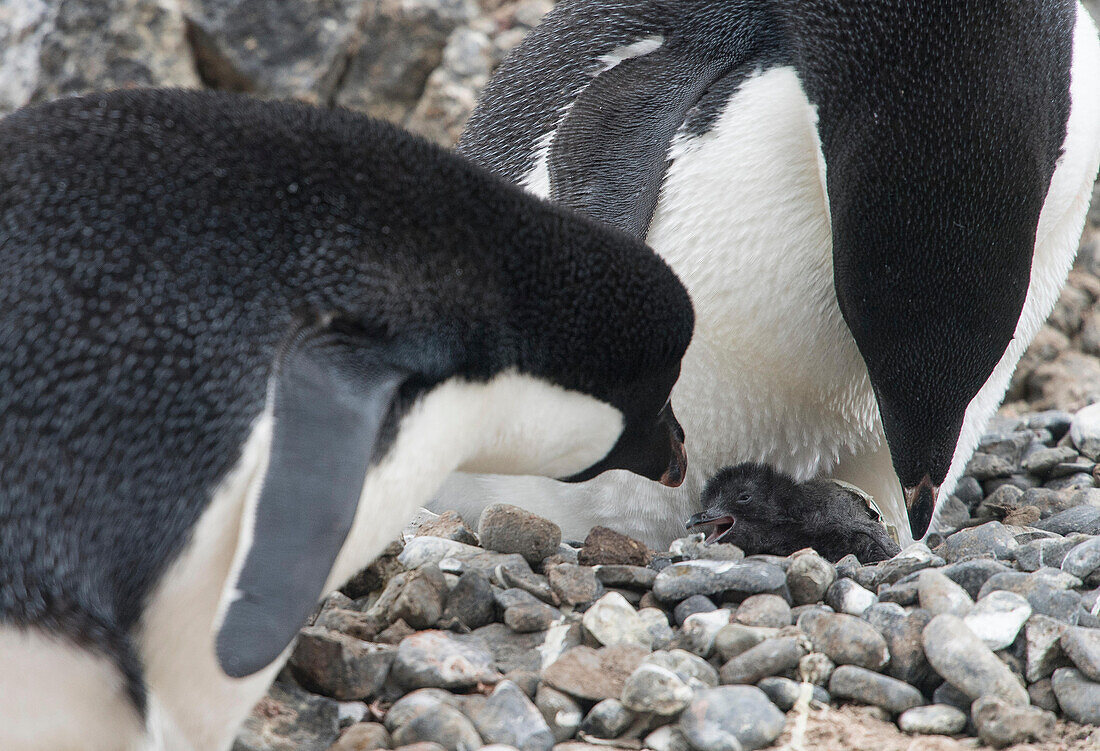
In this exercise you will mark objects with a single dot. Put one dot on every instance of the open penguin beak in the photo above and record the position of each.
(920, 501)
(721, 522)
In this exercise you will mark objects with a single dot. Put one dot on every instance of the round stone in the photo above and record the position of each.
(1078, 697)
(1083, 559)
(770, 657)
(997, 618)
(704, 577)
(1002, 724)
(784, 692)
(809, 577)
(938, 594)
(868, 687)
(845, 596)
(770, 611)
(612, 620)
(1082, 646)
(847, 640)
(511, 529)
(967, 663)
(731, 718)
(933, 719)
(652, 688)
(608, 719)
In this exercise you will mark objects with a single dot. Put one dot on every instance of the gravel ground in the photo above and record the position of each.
(985, 635)
(989, 630)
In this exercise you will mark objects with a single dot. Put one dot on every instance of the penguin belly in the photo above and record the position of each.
(772, 374)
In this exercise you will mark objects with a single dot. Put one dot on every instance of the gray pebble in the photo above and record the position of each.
(518, 651)
(633, 577)
(295, 719)
(914, 558)
(768, 658)
(471, 600)
(972, 574)
(847, 640)
(1002, 724)
(1043, 650)
(902, 631)
(443, 660)
(509, 717)
(613, 620)
(1084, 519)
(560, 711)
(730, 718)
(665, 738)
(444, 725)
(1085, 431)
(528, 617)
(524, 578)
(1045, 552)
(692, 669)
(510, 529)
(682, 580)
(984, 466)
(700, 630)
(652, 688)
(938, 594)
(845, 596)
(947, 694)
(1042, 460)
(868, 687)
(1082, 646)
(991, 537)
(816, 667)
(1078, 697)
(692, 605)
(808, 578)
(608, 719)
(903, 593)
(964, 660)
(997, 618)
(784, 692)
(1083, 559)
(340, 666)
(735, 638)
(933, 719)
(769, 611)
(574, 584)
(1042, 695)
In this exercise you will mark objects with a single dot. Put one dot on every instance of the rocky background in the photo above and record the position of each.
(987, 634)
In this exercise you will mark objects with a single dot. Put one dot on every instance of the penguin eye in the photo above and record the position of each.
(744, 498)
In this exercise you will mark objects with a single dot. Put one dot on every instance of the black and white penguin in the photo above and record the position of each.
(240, 344)
(763, 511)
(874, 204)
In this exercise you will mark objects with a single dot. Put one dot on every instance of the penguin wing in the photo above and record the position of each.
(329, 395)
(608, 86)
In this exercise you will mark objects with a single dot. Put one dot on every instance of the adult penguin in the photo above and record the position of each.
(874, 204)
(241, 343)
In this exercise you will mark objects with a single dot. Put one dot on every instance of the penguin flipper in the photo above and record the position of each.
(609, 155)
(329, 393)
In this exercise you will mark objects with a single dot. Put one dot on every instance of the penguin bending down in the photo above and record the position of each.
(240, 344)
(874, 204)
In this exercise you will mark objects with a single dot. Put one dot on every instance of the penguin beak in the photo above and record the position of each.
(723, 523)
(677, 467)
(920, 502)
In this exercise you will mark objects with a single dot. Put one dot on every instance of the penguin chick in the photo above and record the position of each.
(761, 510)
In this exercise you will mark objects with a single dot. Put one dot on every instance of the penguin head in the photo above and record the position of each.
(940, 127)
(609, 320)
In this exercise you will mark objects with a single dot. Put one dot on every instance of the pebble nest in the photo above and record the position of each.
(506, 637)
